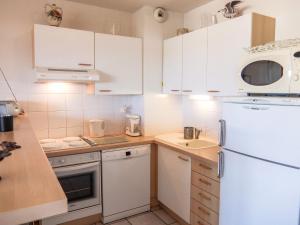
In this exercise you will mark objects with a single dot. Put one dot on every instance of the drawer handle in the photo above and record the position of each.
(204, 196)
(182, 158)
(205, 182)
(175, 90)
(189, 91)
(204, 211)
(84, 64)
(105, 91)
(213, 91)
(205, 167)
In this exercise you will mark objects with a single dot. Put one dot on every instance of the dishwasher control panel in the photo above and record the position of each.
(124, 153)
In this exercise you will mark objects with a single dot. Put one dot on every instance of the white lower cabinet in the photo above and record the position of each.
(174, 181)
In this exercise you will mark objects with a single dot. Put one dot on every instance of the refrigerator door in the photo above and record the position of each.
(268, 132)
(256, 192)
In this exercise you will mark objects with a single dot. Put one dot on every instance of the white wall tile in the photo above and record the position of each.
(74, 131)
(57, 133)
(75, 118)
(41, 134)
(37, 103)
(57, 119)
(74, 101)
(38, 120)
(56, 102)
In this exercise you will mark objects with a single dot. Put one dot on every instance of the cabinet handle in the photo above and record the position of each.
(182, 158)
(187, 91)
(213, 91)
(204, 211)
(84, 64)
(105, 90)
(204, 196)
(205, 182)
(205, 167)
(174, 90)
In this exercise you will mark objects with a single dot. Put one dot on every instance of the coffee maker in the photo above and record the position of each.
(133, 125)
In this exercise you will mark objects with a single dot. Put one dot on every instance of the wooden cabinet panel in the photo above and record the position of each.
(206, 184)
(196, 220)
(208, 200)
(205, 168)
(205, 213)
(63, 48)
(119, 61)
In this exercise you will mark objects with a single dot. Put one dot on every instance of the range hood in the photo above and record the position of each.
(67, 75)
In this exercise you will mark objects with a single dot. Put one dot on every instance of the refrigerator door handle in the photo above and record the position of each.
(221, 164)
(222, 132)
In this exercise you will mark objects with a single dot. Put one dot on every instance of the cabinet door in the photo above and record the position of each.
(119, 61)
(62, 48)
(172, 66)
(174, 181)
(194, 62)
(226, 43)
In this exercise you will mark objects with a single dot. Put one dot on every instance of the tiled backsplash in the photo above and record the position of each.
(203, 114)
(65, 110)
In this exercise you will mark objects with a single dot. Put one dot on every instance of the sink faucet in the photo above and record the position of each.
(197, 133)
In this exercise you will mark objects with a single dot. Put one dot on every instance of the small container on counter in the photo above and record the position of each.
(6, 123)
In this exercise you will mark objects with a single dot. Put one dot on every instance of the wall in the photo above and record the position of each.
(206, 114)
(162, 113)
(56, 110)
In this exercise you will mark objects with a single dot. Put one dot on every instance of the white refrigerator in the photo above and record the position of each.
(259, 162)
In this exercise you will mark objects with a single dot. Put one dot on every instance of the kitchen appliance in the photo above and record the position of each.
(67, 75)
(80, 178)
(259, 164)
(273, 68)
(63, 143)
(96, 128)
(133, 125)
(105, 140)
(126, 182)
(6, 123)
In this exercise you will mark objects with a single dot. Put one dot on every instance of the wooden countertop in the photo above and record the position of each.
(29, 189)
(210, 154)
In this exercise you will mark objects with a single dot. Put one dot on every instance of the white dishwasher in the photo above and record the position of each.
(126, 182)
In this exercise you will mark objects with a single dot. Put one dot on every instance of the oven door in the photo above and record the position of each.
(81, 184)
(267, 73)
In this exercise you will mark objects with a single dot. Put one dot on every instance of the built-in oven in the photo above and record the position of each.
(80, 178)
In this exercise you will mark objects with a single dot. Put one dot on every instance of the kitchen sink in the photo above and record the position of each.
(197, 144)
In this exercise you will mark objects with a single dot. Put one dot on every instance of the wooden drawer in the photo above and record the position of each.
(205, 168)
(210, 201)
(205, 213)
(196, 220)
(209, 185)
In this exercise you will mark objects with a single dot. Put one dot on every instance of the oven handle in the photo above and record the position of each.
(75, 168)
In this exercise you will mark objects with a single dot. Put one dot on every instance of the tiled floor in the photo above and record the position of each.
(155, 217)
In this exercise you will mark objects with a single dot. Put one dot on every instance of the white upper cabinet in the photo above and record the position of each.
(226, 45)
(62, 48)
(194, 62)
(172, 65)
(119, 61)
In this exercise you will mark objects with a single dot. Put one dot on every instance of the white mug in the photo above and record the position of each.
(96, 128)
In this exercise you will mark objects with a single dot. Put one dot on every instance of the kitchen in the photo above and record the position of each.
(64, 110)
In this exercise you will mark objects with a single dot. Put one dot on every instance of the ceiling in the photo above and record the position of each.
(133, 5)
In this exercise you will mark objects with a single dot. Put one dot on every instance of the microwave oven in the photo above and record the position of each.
(271, 69)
